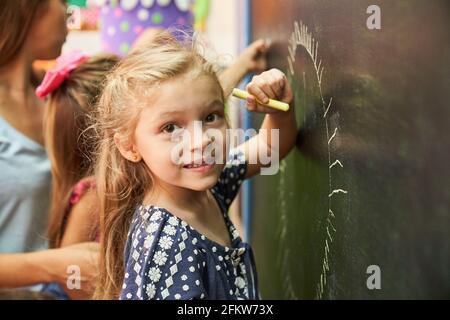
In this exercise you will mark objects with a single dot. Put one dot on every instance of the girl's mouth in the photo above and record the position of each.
(199, 167)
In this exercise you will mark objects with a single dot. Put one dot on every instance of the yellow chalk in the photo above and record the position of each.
(241, 94)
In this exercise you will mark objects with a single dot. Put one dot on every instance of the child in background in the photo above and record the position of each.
(164, 224)
(73, 87)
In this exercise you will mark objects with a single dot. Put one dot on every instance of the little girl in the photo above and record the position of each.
(73, 87)
(164, 224)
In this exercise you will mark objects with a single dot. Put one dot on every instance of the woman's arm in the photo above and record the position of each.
(271, 84)
(26, 269)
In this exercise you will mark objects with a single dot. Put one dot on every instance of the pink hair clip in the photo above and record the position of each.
(65, 64)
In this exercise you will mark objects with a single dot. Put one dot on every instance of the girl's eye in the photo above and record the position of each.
(212, 117)
(170, 128)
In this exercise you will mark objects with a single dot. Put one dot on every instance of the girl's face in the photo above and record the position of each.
(49, 30)
(181, 131)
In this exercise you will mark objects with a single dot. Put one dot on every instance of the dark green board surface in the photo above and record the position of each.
(319, 224)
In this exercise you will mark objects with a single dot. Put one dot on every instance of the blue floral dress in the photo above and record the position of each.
(165, 258)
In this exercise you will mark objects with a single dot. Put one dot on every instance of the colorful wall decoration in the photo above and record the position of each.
(123, 21)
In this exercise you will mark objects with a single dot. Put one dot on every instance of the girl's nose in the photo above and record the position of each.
(201, 143)
(200, 139)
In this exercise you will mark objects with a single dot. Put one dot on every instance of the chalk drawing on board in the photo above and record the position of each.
(302, 37)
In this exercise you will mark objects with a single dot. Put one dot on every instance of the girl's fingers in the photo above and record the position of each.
(277, 85)
(256, 91)
(280, 81)
(260, 46)
(266, 87)
(251, 104)
(270, 84)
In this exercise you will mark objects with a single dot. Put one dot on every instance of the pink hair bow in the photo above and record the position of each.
(65, 64)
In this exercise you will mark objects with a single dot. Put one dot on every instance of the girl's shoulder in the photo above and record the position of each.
(155, 228)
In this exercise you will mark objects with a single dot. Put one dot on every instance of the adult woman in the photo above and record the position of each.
(29, 30)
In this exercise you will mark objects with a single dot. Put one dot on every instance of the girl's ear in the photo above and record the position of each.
(126, 148)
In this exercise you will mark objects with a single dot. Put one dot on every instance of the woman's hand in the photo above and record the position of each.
(74, 265)
(75, 268)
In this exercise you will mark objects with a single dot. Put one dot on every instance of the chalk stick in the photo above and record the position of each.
(275, 104)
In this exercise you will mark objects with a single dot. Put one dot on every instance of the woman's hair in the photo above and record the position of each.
(69, 137)
(122, 184)
(16, 19)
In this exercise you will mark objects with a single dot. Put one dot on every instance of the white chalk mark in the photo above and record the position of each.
(333, 136)
(331, 213)
(329, 235)
(336, 192)
(317, 50)
(331, 224)
(337, 162)
(283, 228)
(321, 283)
(291, 67)
(301, 36)
(328, 108)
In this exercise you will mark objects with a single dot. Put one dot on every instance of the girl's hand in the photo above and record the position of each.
(271, 84)
(253, 58)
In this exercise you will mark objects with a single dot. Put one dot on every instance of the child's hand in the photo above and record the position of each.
(271, 84)
(253, 58)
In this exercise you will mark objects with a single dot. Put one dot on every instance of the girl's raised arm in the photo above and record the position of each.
(271, 84)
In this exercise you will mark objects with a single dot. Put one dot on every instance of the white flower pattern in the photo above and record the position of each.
(152, 227)
(165, 242)
(151, 290)
(160, 258)
(154, 274)
(170, 230)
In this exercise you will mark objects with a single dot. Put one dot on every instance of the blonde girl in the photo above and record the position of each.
(163, 209)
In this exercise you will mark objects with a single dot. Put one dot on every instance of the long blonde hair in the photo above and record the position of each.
(70, 144)
(122, 184)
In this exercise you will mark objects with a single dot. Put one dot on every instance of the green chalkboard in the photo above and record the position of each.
(361, 207)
